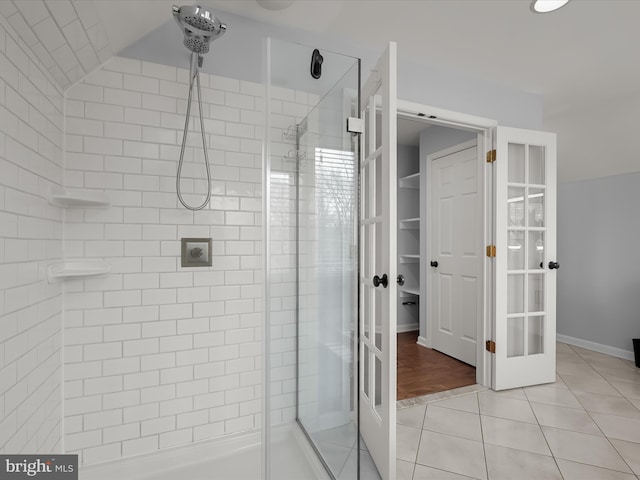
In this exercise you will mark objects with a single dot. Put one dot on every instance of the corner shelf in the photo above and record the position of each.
(77, 269)
(78, 198)
(408, 258)
(410, 181)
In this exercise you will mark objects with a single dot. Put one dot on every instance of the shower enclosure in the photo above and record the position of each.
(310, 253)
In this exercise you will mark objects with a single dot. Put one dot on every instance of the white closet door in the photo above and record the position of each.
(456, 253)
(378, 236)
(525, 264)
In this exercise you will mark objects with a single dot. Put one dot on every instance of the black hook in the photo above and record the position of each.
(316, 64)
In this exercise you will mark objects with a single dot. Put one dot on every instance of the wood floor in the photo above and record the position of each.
(422, 371)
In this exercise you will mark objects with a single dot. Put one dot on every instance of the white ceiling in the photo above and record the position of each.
(583, 53)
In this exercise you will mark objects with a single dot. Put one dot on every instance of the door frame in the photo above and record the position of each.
(484, 128)
(428, 221)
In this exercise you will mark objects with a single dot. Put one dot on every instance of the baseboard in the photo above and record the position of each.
(596, 347)
(422, 341)
(410, 327)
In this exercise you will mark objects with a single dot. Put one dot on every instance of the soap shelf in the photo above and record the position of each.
(77, 269)
(78, 198)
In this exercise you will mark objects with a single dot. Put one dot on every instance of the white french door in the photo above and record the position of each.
(377, 282)
(525, 263)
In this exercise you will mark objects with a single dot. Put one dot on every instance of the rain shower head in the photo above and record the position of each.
(199, 26)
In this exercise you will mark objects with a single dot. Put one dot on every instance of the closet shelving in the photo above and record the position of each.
(410, 223)
(408, 238)
(410, 181)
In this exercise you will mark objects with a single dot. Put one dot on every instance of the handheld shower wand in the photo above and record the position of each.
(200, 27)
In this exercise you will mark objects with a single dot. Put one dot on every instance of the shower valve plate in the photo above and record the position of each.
(196, 252)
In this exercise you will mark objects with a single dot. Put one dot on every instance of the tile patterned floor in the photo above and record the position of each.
(585, 426)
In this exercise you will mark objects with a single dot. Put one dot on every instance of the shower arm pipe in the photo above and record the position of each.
(194, 74)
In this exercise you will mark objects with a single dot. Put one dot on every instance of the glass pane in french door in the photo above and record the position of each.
(526, 269)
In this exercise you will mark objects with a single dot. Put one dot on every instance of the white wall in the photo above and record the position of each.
(598, 223)
(31, 139)
(599, 276)
(597, 140)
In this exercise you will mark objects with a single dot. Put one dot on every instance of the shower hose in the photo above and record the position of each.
(194, 75)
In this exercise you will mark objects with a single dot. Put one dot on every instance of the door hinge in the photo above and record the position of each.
(355, 125)
(491, 156)
(490, 346)
(491, 251)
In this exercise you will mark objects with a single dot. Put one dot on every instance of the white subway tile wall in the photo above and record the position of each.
(158, 355)
(31, 162)
(66, 36)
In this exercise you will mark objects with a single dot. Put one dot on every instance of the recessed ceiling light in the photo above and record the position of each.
(546, 6)
(274, 4)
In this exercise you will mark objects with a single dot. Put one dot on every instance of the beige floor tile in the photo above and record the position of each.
(518, 435)
(570, 355)
(580, 471)
(620, 428)
(509, 464)
(593, 402)
(404, 470)
(452, 454)
(503, 407)
(565, 418)
(629, 390)
(600, 360)
(559, 382)
(593, 384)
(466, 403)
(453, 422)
(516, 393)
(428, 473)
(411, 416)
(583, 351)
(552, 396)
(407, 440)
(573, 367)
(582, 448)
(624, 373)
(630, 452)
(563, 347)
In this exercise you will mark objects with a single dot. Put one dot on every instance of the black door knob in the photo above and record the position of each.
(400, 280)
(377, 281)
(554, 265)
(434, 264)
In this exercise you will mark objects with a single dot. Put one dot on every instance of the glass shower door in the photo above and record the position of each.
(311, 207)
(327, 276)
